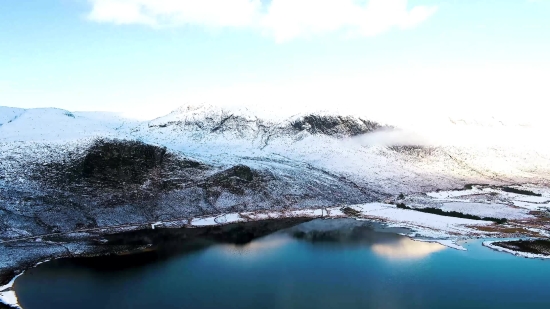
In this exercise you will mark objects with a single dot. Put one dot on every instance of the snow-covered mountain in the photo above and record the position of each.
(64, 171)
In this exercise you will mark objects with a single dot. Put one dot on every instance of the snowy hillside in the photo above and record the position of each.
(335, 143)
(8, 114)
(63, 171)
(52, 125)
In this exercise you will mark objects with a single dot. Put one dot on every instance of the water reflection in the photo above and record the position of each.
(322, 264)
(167, 244)
(383, 242)
(252, 249)
(340, 233)
(406, 249)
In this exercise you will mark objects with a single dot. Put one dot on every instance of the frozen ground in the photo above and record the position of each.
(493, 201)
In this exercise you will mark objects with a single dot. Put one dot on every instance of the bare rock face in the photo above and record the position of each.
(116, 172)
(114, 164)
(235, 180)
(341, 126)
(202, 122)
(414, 150)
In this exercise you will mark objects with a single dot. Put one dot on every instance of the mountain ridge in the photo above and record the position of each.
(60, 171)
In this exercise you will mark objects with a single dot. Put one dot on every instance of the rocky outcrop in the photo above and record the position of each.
(120, 165)
(206, 120)
(340, 126)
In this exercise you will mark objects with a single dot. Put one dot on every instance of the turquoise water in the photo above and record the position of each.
(318, 264)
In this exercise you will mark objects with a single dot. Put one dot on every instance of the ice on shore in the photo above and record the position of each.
(7, 295)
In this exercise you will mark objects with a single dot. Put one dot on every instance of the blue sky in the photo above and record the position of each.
(148, 57)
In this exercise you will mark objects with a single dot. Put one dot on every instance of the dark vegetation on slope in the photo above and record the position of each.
(413, 150)
(456, 214)
(236, 180)
(334, 125)
(505, 189)
(409, 148)
(121, 182)
(219, 123)
(213, 123)
(538, 246)
(403, 148)
(350, 212)
(116, 163)
(112, 182)
(519, 191)
(120, 164)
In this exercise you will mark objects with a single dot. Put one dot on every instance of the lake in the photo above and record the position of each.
(336, 264)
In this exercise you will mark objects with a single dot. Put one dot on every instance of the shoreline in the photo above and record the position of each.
(424, 227)
(461, 217)
(491, 244)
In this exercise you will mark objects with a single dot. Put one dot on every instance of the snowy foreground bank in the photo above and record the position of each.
(7, 295)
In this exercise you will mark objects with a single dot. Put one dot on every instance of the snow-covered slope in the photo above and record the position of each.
(8, 114)
(63, 171)
(224, 137)
(52, 125)
(325, 141)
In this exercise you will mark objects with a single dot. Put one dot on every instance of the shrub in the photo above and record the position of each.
(350, 212)
(519, 191)
(402, 206)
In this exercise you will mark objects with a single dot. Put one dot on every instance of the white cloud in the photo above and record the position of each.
(210, 13)
(408, 97)
(119, 12)
(284, 19)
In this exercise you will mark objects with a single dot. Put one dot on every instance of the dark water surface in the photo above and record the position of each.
(320, 264)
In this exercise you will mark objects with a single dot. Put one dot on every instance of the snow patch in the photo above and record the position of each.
(9, 298)
(153, 225)
(7, 295)
(454, 193)
(487, 210)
